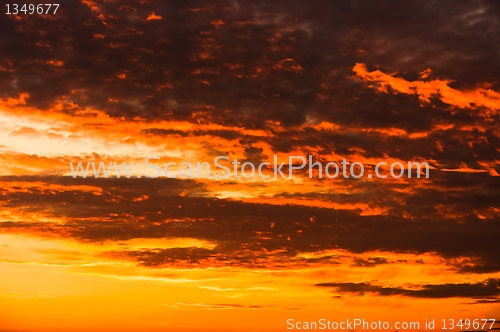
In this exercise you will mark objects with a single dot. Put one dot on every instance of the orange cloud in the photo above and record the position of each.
(427, 89)
(11, 102)
(153, 17)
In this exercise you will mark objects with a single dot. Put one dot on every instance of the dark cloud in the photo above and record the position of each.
(373, 261)
(486, 301)
(258, 58)
(254, 63)
(192, 256)
(487, 288)
(225, 305)
(250, 233)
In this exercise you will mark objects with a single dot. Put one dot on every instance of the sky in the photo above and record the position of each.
(369, 82)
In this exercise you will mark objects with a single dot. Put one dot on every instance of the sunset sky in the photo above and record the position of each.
(369, 82)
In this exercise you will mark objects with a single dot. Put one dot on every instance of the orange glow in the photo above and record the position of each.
(426, 90)
(172, 87)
